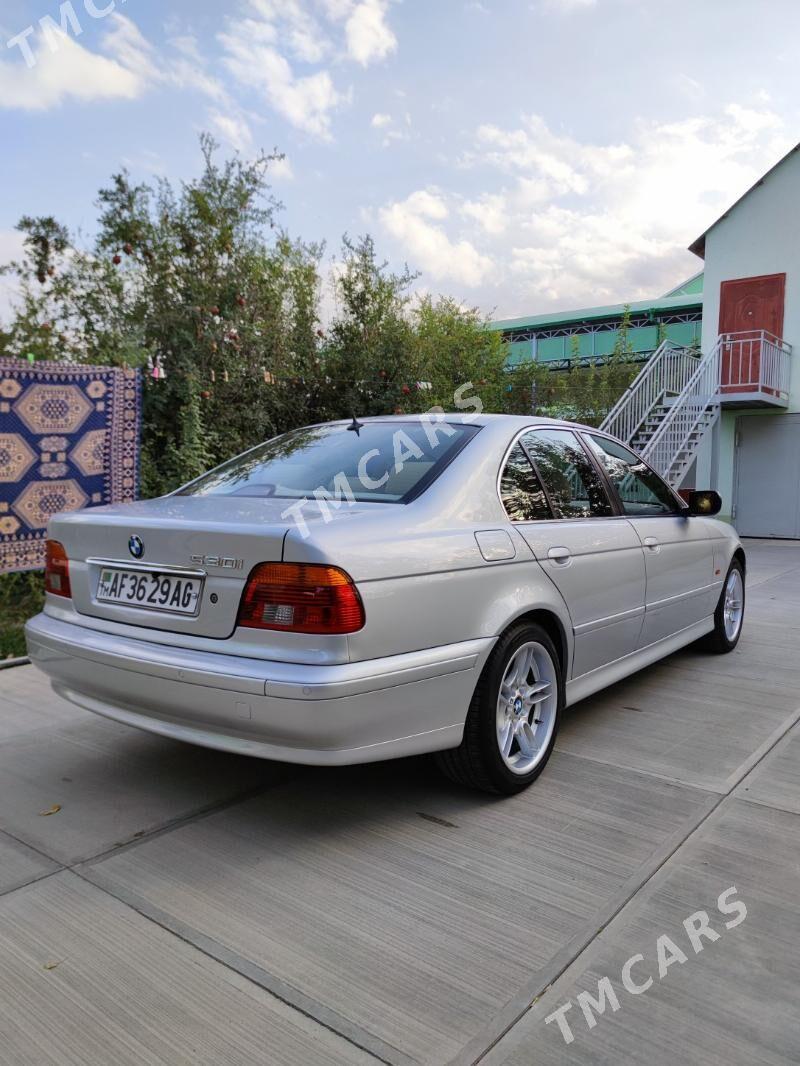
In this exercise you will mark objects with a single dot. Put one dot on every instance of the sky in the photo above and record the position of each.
(524, 156)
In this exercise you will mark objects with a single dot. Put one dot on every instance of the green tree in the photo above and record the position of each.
(623, 348)
(196, 281)
(455, 347)
(368, 362)
(386, 351)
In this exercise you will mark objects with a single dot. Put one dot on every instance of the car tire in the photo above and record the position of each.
(519, 697)
(729, 615)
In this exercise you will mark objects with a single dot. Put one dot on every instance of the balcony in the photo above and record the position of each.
(754, 369)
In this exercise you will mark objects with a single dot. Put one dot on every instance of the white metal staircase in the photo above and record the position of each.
(667, 409)
(676, 399)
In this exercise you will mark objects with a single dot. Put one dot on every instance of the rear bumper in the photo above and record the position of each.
(318, 715)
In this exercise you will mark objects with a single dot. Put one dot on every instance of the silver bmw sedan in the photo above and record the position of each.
(363, 590)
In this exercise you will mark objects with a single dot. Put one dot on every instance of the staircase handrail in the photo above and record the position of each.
(636, 386)
(663, 374)
(687, 412)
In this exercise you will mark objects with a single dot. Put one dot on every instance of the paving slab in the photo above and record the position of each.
(20, 864)
(692, 717)
(697, 717)
(86, 981)
(736, 1003)
(412, 909)
(769, 558)
(781, 590)
(111, 784)
(27, 703)
(776, 780)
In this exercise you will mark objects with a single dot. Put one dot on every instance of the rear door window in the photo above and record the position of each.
(570, 478)
(521, 490)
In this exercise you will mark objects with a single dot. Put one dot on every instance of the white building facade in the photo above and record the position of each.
(752, 296)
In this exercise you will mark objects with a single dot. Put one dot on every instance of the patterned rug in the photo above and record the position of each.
(69, 438)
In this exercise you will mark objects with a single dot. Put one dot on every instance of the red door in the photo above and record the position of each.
(747, 306)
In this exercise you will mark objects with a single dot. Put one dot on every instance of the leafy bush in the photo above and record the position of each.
(21, 596)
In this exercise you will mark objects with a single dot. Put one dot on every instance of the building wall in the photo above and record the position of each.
(641, 339)
(760, 236)
(726, 452)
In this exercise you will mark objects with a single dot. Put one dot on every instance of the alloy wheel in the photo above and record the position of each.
(732, 607)
(526, 707)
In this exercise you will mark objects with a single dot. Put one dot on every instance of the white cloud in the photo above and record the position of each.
(188, 46)
(393, 130)
(413, 224)
(281, 170)
(73, 72)
(369, 38)
(255, 62)
(233, 129)
(490, 212)
(295, 26)
(567, 223)
(125, 68)
(337, 10)
(259, 50)
(183, 74)
(125, 42)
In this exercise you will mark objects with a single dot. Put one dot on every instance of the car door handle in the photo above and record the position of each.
(559, 555)
(652, 543)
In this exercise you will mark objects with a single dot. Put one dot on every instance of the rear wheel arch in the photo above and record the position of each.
(482, 760)
(553, 626)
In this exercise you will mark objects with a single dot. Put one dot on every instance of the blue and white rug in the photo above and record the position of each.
(69, 438)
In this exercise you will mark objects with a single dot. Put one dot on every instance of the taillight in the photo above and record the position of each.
(301, 598)
(56, 570)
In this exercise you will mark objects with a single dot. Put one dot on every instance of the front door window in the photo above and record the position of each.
(640, 489)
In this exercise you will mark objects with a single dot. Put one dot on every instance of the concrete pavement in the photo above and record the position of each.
(184, 906)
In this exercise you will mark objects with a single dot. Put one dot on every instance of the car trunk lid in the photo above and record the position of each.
(216, 541)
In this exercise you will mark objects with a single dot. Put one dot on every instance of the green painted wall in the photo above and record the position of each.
(519, 352)
(640, 339)
(602, 342)
(692, 287)
(687, 333)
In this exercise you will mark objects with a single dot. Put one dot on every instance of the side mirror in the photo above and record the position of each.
(705, 503)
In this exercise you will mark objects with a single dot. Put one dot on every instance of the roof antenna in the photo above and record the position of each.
(355, 426)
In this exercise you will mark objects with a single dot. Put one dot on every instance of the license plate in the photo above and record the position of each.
(154, 590)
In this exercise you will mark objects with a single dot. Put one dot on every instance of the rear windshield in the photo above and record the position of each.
(383, 462)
